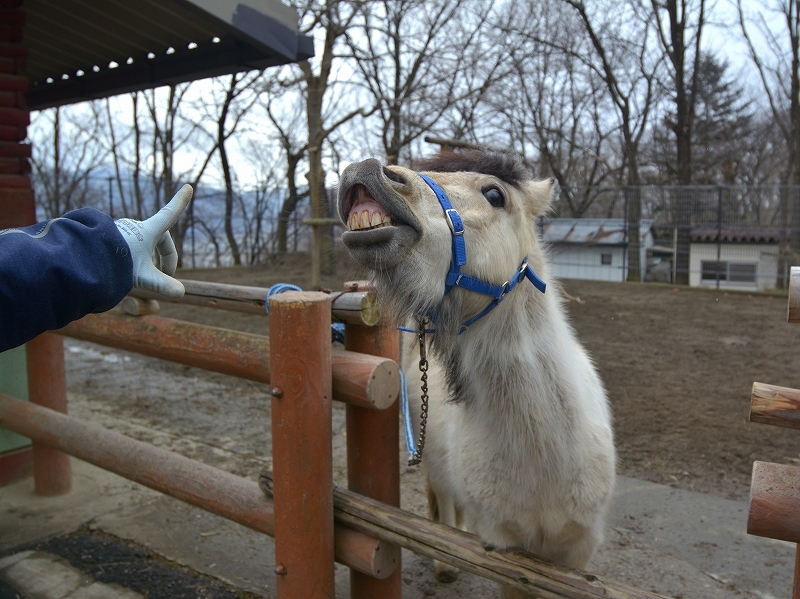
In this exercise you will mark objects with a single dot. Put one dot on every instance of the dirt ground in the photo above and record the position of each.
(678, 364)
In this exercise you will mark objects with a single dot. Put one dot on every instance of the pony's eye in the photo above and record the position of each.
(494, 195)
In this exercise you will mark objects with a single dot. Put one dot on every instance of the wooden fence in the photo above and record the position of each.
(312, 522)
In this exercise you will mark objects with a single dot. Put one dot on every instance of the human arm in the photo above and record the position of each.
(60, 270)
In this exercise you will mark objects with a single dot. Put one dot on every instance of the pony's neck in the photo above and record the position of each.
(505, 354)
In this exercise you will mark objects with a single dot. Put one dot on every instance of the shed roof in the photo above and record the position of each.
(736, 234)
(73, 46)
(590, 231)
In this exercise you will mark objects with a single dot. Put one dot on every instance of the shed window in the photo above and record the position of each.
(605, 258)
(733, 272)
(742, 273)
(710, 271)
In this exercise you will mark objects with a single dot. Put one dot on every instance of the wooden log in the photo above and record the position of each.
(372, 383)
(368, 381)
(517, 569)
(300, 366)
(794, 295)
(775, 502)
(214, 490)
(361, 307)
(47, 387)
(778, 406)
(373, 461)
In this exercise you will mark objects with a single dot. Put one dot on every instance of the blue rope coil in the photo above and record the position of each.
(337, 328)
(276, 289)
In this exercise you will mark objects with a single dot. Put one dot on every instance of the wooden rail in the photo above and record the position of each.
(775, 488)
(353, 307)
(778, 406)
(775, 502)
(367, 381)
(222, 493)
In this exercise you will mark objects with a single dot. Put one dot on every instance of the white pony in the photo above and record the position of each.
(519, 445)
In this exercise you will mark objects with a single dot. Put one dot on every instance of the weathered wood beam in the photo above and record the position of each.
(778, 406)
(358, 307)
(775, 502)
(214, 490)
(367, 381)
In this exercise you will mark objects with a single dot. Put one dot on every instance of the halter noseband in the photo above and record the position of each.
(455, 278)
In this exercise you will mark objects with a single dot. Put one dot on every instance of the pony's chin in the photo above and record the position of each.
(381, 248)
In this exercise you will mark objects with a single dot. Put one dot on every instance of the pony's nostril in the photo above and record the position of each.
(393, 176)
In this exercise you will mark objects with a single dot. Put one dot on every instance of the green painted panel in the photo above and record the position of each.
(14, 382)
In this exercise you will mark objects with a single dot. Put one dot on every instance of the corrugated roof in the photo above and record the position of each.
(151, 42)
(736, 234)
(590, 231)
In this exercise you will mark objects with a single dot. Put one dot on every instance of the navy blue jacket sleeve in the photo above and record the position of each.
(58, 271)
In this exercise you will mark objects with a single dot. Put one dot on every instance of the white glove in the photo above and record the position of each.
(145, 236)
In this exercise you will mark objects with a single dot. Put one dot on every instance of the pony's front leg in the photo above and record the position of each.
(442, 508)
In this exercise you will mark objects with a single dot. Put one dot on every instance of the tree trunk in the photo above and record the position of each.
(226, 171)
(290, 203)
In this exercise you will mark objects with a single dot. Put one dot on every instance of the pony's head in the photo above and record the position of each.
(398, 228)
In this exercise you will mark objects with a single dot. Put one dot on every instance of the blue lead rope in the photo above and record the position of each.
(411, 442)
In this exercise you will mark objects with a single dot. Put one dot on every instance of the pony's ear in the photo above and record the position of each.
(538, 195)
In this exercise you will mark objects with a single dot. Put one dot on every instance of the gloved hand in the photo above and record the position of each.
(145, 236)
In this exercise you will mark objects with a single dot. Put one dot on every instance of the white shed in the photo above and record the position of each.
(746, 258)
(592, 248)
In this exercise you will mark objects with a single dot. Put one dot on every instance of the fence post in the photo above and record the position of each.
(302, 463)
(47, 387)
(373, 461)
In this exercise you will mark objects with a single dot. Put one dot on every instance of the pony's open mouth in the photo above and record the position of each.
(365, 212)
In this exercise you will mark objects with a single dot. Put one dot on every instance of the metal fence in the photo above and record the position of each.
(723, 236)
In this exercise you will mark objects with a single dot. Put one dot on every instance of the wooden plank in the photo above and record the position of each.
(14, 149)
(232, 497)
(775, 502)
(15, 116)
(14, 166)
(778, 406)
(368, 381)
(354, 307)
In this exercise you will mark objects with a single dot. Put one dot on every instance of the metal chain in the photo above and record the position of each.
(423, 368)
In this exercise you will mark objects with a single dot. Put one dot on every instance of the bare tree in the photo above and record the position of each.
(236, 98)
(553, 102)
(63, 169)
(680, 29)
(414, 60)
(777, 60)
(624, 61)
(331, 19)
(294, 151)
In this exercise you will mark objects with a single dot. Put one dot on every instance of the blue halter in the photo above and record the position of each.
(455, 278)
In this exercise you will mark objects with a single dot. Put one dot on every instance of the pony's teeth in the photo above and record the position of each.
(387, 220)
(353, 223)
(376, 219)
(364, 223)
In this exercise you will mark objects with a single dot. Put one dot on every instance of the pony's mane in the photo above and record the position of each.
(506, 166)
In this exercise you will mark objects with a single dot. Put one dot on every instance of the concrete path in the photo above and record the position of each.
(674, 542)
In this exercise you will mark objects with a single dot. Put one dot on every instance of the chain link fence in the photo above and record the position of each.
(722, 236)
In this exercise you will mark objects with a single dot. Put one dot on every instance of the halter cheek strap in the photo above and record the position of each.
(455, 278)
